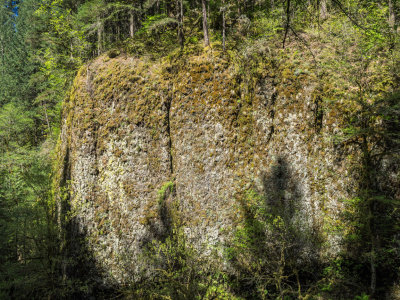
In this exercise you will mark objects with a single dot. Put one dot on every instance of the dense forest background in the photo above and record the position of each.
(44, 42)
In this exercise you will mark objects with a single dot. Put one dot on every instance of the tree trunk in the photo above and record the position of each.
(392, 14)
(287, 22)
(373, 265)
(118, 31)
(223, 25)
(131, 23)
(205, 26)
(323, 10)
(369, 183)
(99, 36)
(182, 33)
(179, 17)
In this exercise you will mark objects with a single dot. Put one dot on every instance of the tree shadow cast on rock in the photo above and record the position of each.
(274, 252)
(160, 227)
(172, 266)
(82, 275)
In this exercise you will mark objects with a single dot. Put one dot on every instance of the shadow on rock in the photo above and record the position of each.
(83, 278)
(274, 253)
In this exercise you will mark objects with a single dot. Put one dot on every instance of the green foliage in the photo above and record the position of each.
(370, 221)
(167, 187)
(156, 23)
(156, 37)
(266, 252)
(175, 274)
(28, 250)
(174, 268)
(28, 233)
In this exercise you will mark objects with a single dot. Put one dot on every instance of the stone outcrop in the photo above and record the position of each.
(131, 126)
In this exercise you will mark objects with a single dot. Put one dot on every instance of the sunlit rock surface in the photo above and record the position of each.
(130, 126)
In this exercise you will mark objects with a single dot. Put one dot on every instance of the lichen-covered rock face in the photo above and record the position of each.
(130, 126)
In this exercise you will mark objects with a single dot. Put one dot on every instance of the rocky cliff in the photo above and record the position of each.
(139, 136)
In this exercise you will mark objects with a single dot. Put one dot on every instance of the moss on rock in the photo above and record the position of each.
(131, 125)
